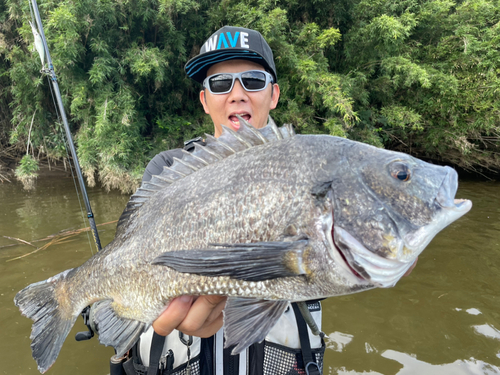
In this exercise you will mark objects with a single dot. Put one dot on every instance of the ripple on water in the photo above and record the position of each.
(413, 366)
(487, 330)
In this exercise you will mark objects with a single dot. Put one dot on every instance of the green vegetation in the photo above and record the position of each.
(417, 76)
(26, 171)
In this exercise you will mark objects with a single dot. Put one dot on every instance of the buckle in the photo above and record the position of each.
(197, 139)
(314, 371)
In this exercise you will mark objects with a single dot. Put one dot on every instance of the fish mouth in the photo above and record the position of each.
(375, 269)
(449, 210)
(350, 273)
(357, 264)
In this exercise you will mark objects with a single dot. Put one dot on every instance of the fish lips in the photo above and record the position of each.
(380, 271)
(449, 209)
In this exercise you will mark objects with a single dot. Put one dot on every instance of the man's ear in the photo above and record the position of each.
(203, 100)
(275, 96)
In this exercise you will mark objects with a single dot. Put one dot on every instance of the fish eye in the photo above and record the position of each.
(400, 171)
(403, 176)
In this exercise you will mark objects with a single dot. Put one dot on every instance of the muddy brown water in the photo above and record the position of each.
(442, 319)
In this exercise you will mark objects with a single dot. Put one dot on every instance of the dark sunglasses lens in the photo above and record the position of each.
(220, 83)
(254, 80)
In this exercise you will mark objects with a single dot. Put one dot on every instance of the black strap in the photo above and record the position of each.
(189, 145)
(256, 358)
(206, 358)
(231, 362)
(154, 355)
(131, 364)
(116, 366)
(310, 364)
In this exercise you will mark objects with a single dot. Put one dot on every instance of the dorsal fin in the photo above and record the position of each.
(218, 146)
(241, 143)
(186, 164)
(216, 149)
(271, 131)
(206, 154)
(191, 158)
(249, 132)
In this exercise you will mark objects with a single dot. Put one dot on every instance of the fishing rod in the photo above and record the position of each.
(43, 50)
(53, 78)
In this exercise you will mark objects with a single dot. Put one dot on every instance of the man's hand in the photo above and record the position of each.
(196, 316)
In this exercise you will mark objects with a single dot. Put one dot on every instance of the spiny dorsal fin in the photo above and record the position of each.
(219, 147)
(243, 143)
(271, 131)
(186, 164)
(291, 130)
(248, 131)
(230, 142)
(192, 159)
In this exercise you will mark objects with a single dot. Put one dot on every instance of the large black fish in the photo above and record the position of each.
(296, 217)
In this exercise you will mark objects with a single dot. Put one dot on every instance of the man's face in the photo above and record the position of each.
(252, 106)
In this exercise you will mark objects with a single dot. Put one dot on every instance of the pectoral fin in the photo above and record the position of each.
(248, 320)
(251, 262)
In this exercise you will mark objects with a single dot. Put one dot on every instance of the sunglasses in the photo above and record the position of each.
(251, 80)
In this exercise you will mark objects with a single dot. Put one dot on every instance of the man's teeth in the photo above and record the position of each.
(234, 119)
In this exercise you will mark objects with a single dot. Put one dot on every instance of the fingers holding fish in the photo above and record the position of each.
(204, 318)
(197, 316)
(173, 315)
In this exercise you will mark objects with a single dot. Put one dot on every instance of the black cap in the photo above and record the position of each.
(231, 43)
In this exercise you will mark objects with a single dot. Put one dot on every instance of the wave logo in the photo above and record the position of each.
(227, 40)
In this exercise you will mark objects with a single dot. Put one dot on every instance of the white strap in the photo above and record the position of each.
(219, 356)
(219, 352)
(242, 370)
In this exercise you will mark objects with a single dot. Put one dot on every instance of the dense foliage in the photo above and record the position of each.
(26, 172)
(421, 76)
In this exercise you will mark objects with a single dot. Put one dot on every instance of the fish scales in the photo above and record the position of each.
(289, 220)
(253, 194)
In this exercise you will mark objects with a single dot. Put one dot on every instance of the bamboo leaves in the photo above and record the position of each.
(420, 76)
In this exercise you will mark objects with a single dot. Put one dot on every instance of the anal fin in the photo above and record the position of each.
(115, 331)
(249, 320)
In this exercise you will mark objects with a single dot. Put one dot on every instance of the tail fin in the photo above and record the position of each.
(53, 318)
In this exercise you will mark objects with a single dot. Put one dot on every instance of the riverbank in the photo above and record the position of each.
(59, 169)
(48, 168)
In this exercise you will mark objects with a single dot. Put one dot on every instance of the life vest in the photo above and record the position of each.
(289, 349)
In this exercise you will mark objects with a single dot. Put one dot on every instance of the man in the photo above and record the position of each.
(238, 74)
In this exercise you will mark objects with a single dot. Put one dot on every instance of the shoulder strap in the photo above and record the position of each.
(154, 355)
(310, 364)
(189, 145)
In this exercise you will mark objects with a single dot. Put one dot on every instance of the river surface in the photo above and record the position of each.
(442, 319)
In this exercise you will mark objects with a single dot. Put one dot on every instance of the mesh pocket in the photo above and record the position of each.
(280, 360)
(182, 369)
(134, 368)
